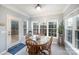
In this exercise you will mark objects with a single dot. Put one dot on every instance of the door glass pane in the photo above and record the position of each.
(14, 31)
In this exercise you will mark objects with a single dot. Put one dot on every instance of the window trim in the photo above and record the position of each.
(54, 20)
(32, 26)
(26, 26)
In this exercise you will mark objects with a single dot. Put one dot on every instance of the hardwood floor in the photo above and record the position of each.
(14, 38)
(55, 50)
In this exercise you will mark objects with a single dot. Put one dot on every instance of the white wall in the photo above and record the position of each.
(2, 39)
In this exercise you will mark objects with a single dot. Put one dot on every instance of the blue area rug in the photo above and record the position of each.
(14, 49)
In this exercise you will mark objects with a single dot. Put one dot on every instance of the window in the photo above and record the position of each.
(77, 23)
(72, 27)
(69, 35)
(69, 23)
(43, 29)
(25, 28)
(77, 33)
(77, 39)
(52, 28)
(35, 28)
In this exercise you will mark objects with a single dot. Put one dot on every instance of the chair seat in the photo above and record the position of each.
(45, 52)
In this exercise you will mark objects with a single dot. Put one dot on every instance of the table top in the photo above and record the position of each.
(42, 40)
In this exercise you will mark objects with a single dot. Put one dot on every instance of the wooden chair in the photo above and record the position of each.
(47, 47)
(31, 46)
(35, 49)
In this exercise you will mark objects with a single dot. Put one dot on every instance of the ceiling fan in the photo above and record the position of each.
(38, 6)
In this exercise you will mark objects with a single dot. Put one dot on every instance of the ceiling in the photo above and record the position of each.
(46, 9)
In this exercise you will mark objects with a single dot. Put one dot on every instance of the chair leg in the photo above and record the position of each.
(49, 51)
(27, 50)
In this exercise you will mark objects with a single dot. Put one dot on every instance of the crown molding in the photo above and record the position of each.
(58, 14)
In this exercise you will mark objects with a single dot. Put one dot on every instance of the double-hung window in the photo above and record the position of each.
(69, 35)
(45, 28)
(25, 27)
(35, 28)
(69, 30)
(77, 33)
(52, 30)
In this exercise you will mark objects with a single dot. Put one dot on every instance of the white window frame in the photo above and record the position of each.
(32, 26)
(75, 29)
(43, 28)
(26, 26)
(70, 28)
(53, 20)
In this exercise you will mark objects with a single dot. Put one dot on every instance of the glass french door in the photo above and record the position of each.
(14, 31)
